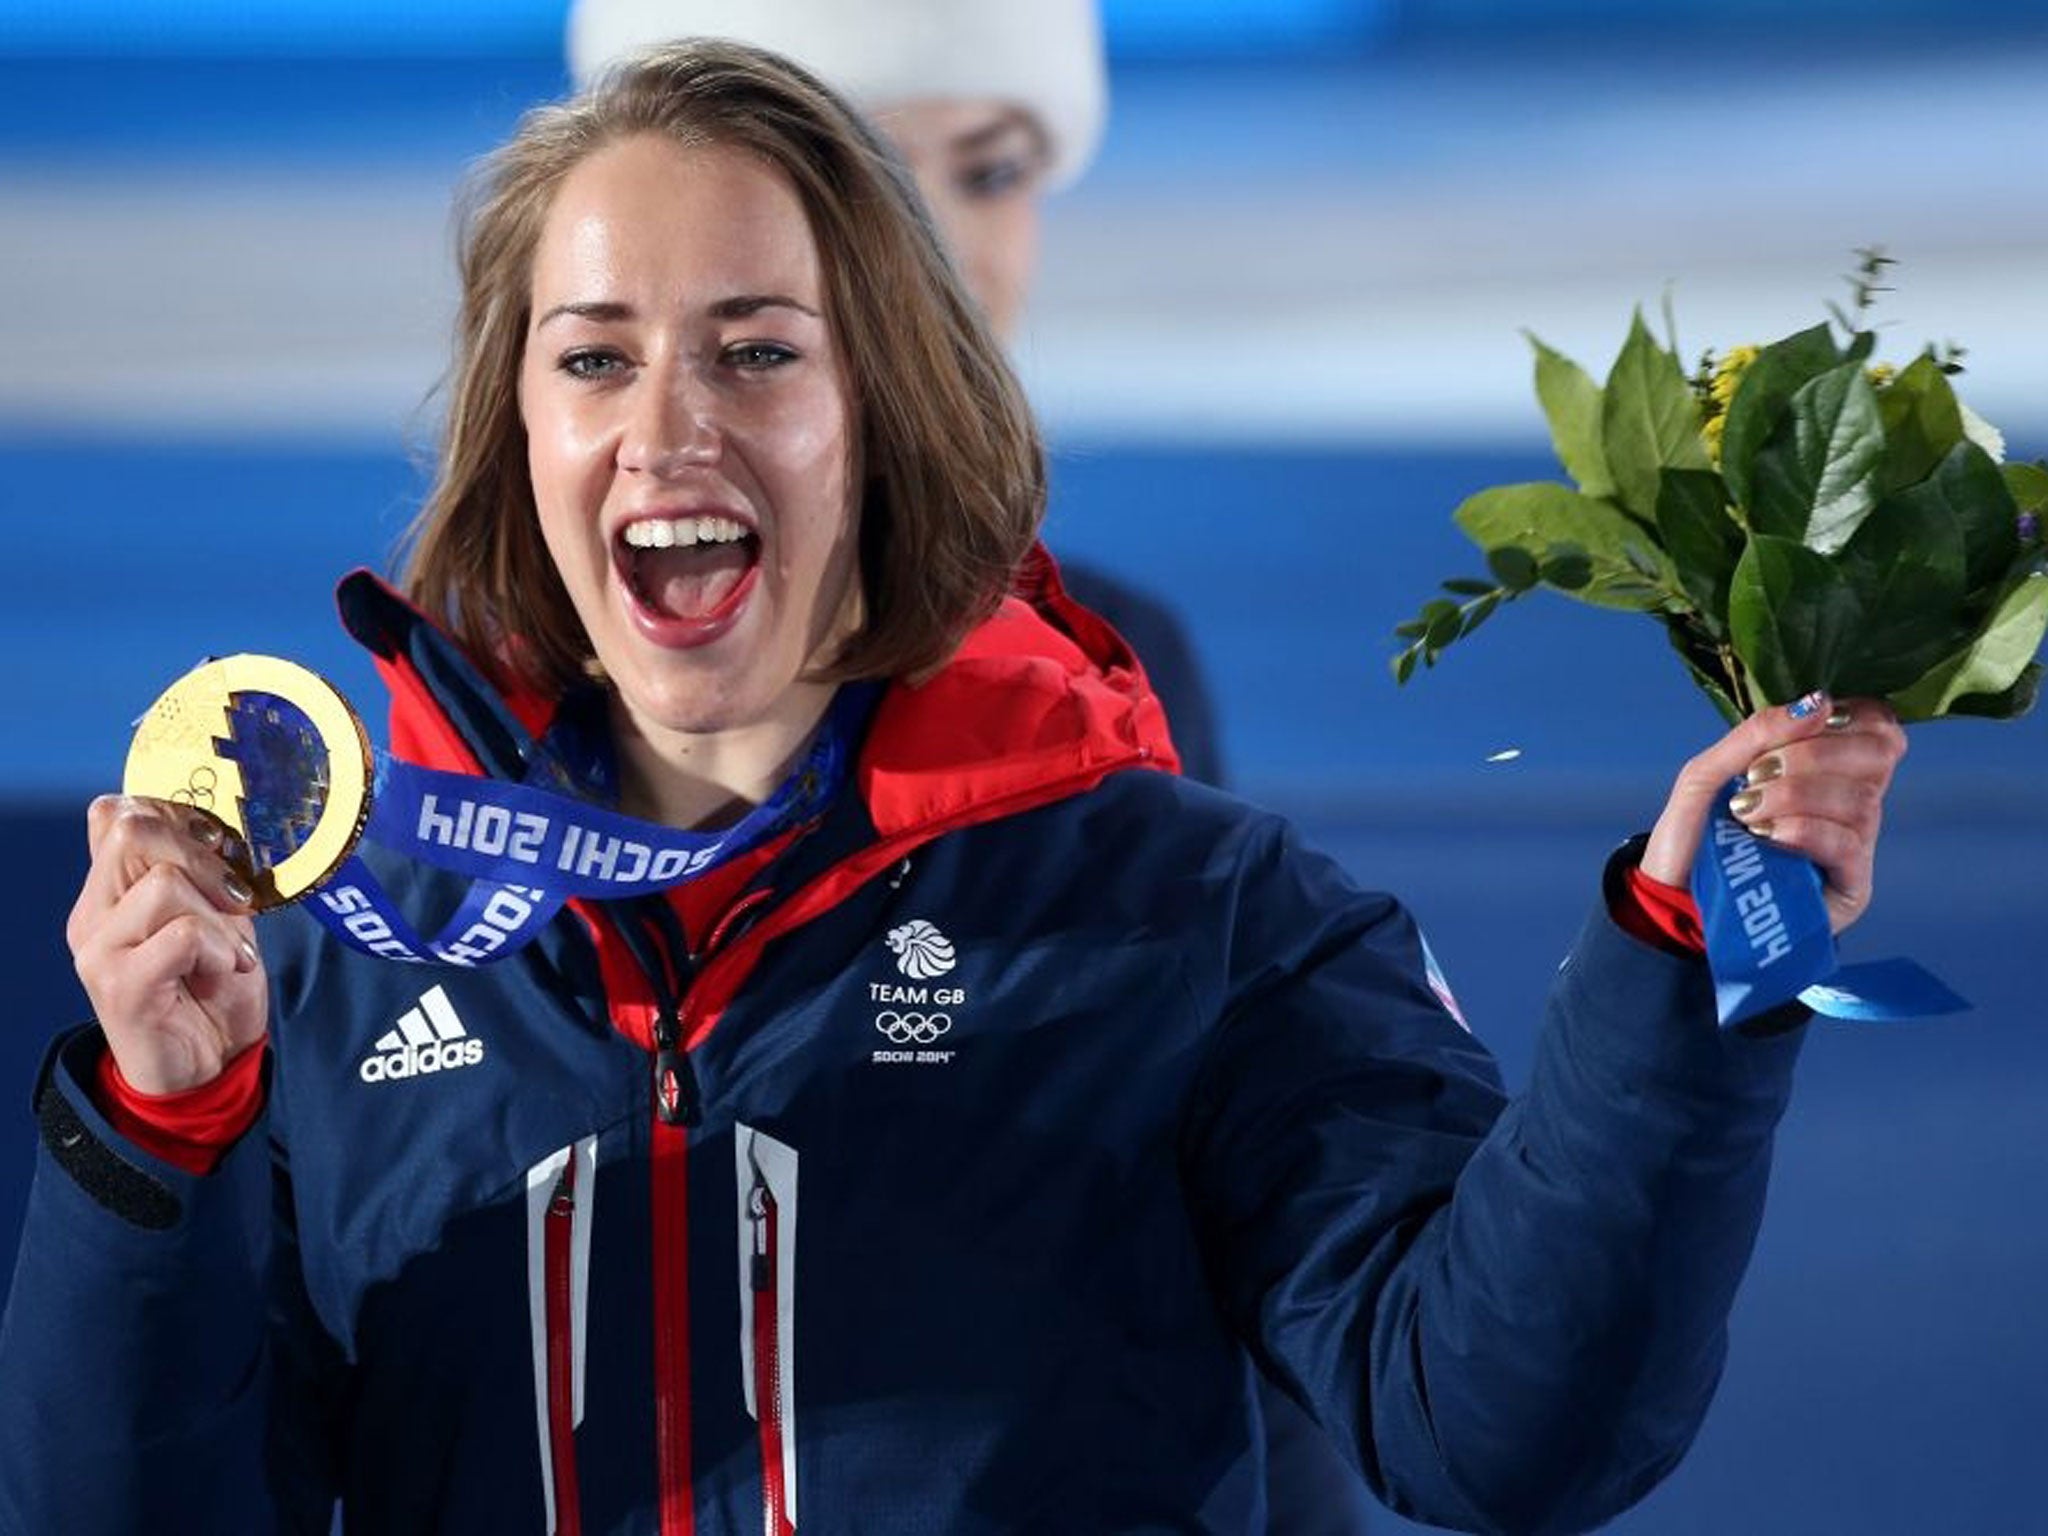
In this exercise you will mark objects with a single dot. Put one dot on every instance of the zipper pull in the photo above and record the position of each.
(757, 1214)
(676, 1097)
(563, 1201)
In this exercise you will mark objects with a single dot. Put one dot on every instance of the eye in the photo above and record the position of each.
(757, 355)
(591, 362)
(997, 176)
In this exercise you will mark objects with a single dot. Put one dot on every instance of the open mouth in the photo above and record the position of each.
(690, 571)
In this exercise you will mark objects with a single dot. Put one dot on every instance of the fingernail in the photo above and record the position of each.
(248, 952)
(1839, 717)
(1766, 768)
(1745, 802)
(1806, 708)
(1761, 828)
(239, 890)
(205, 831)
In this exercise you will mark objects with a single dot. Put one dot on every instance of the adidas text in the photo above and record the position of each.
(429, 1038)
(418, 1060)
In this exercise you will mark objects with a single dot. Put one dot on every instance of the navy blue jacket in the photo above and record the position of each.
(1029, 1104)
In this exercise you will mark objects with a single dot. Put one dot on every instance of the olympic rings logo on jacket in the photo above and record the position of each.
(903, 1028)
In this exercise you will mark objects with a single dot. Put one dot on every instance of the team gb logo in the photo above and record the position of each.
(921, 951)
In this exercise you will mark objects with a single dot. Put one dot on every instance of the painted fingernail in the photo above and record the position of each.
(1761, 828)
(1839, 717)
(1806, 708)
(205, 831)
(238, 889)
(248, 952)
(1745, 802)
(1766, 768)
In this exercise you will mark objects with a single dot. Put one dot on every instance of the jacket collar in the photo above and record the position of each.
(1042, 698)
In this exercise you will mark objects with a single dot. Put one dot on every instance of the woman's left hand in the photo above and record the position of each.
(1816, 772)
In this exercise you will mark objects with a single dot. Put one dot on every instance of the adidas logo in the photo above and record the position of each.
(429, 1038)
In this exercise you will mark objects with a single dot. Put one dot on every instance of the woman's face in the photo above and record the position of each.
(690, 433)
(980, 166)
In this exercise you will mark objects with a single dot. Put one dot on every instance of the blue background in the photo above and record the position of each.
(1889, 1371)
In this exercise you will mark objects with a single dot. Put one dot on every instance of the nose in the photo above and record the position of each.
(671, 425)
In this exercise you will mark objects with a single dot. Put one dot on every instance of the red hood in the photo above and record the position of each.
(1042, 699)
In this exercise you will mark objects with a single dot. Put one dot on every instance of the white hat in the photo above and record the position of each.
(1044, 55)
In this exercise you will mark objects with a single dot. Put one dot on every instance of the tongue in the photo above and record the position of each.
(690, 583)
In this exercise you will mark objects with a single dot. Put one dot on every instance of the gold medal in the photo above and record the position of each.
(272, 751)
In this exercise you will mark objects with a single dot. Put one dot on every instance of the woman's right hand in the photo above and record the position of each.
(164, 940)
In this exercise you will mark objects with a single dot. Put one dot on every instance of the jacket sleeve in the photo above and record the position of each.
(136, 1352)
(1514, 1312)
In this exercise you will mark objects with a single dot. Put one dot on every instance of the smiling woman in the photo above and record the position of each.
(691, 446)
(1099, 1096)
(737, 442)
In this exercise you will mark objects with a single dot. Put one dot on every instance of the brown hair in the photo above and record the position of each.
(954, 473)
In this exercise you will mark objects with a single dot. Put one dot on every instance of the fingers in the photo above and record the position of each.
(1814, 776)
(1824, 797)
(1675, 839)
(128, 836)
(163, 938)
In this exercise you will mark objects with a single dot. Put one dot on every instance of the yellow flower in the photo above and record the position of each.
(1880, 374)
(1721, 386)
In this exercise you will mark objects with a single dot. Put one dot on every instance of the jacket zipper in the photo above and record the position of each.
(678, 1105)
(768, 1360)
(558, 1261)
(676, 1108)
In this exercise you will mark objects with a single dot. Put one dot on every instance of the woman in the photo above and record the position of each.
(992, 106)
(950, 1159)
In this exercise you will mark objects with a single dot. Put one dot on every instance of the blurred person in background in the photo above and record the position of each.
(992, 104)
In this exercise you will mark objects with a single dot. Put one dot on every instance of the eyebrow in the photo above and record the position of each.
(1014, 120)
(738, 307)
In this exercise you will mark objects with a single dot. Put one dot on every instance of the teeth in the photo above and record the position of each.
(683, 532)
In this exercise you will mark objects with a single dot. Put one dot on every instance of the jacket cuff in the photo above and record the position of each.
(113, 1172)
(1639, 1014)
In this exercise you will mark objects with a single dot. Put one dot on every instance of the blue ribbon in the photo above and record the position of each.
(527, 849)
(1768, 939)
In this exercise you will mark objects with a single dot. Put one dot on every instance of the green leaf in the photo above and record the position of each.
(1440, 623)
(1921, 423)
(1907, 568)
(1466, 586)
(1571, 403)
(2010, 705)
(1990, 664)
(1792, 617)
(1513, 567)
(1541, 517)
(2028, 484)
(1480, 612)
(1569, 569)
(1404, 666)
(1649, 421)
(1969, 490)
(1764, 395)
(1816, 479)
(1704, 542)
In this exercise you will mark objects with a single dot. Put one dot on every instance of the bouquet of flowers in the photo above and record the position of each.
(1795, 515)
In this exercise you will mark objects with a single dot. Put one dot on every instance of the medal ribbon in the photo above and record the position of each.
(1768, 939)
(527, 849)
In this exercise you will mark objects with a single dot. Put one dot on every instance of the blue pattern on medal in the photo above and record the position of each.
(283, 763)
